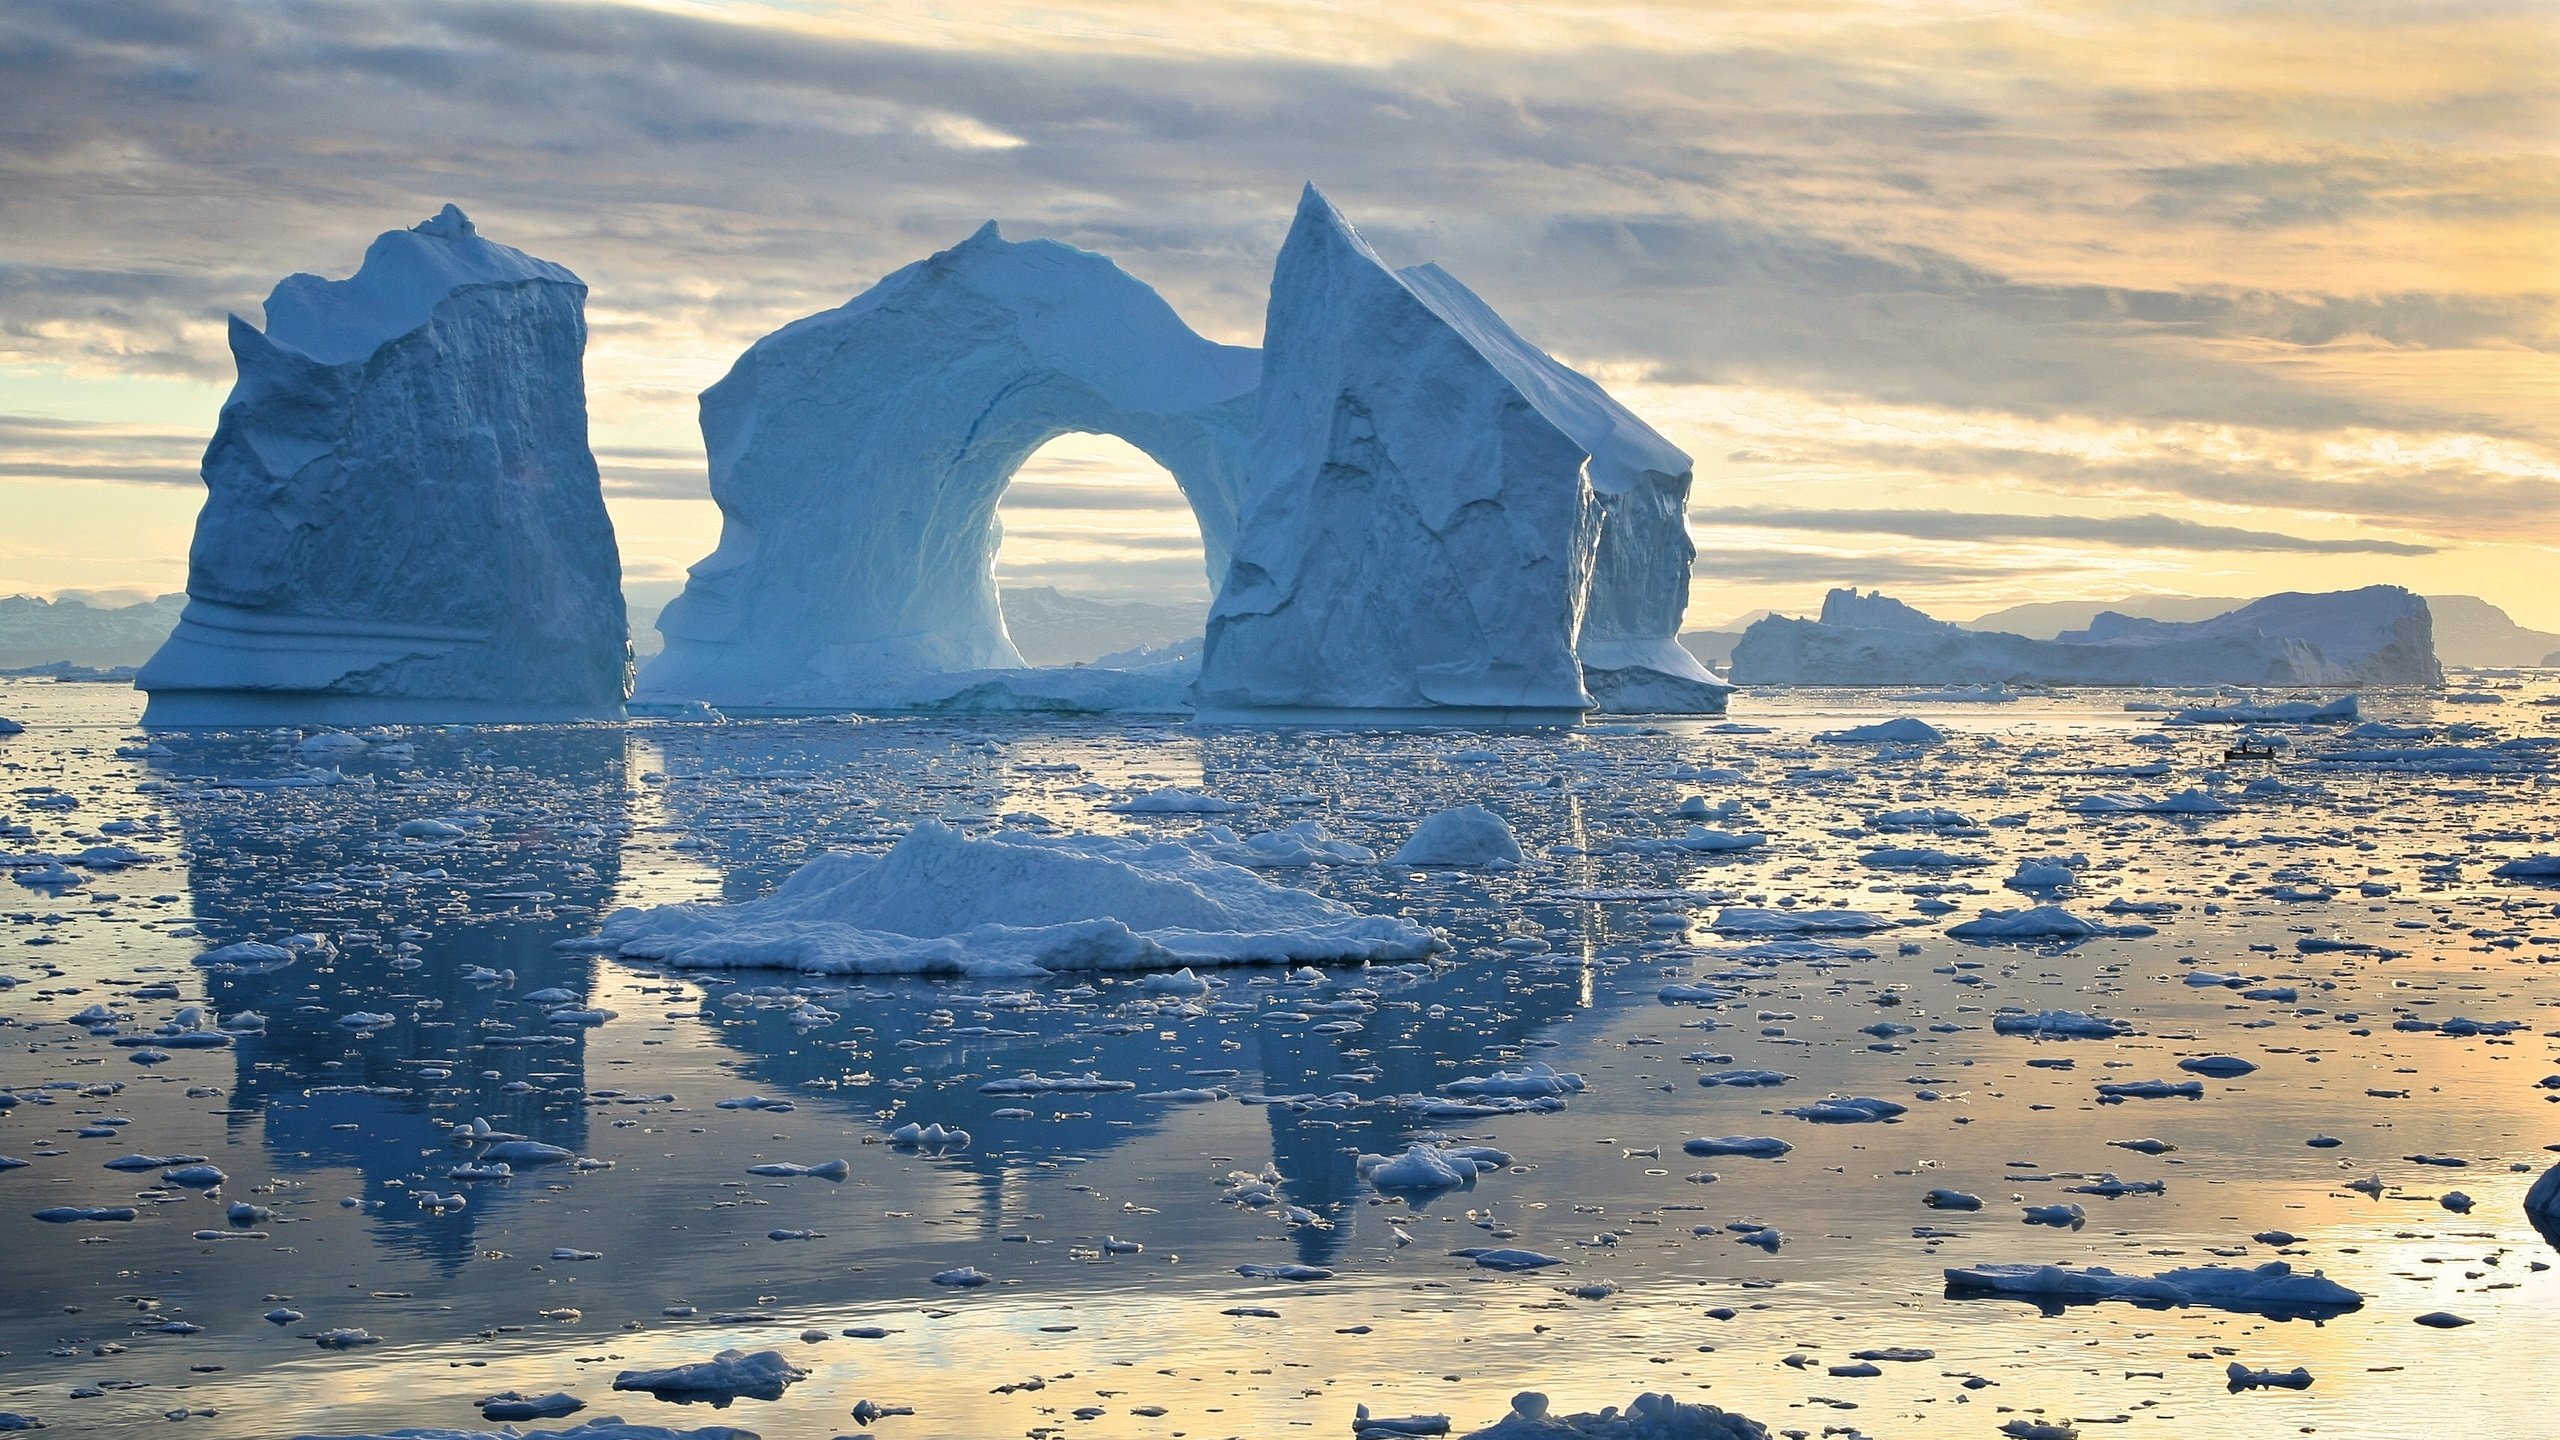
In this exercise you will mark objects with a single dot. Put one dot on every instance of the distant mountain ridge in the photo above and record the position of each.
(37, 632)
(1049, 627)
(2379, 635)
(2469, 631)
(1052, 627)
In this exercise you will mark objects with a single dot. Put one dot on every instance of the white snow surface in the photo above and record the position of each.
(1014, 905)
(406, 274)
(2379, 635)
(403, 522)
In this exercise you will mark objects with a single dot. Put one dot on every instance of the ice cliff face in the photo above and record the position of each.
(402, 519)
(1428, 526)
(858, 455)
(2380, 635)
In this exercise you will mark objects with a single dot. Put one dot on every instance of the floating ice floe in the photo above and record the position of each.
(1901, 730)
(1428, 1167)
(2060, 1025)
(1757, 920)
(1015, 905)
(727, 1376)
(1291, 847)
(1848, 1110)
(1648, 1417)
(2185, 802)
(2340, 711)
(1766, 1147)
(2273, 1287)
(1173, 800)
(1893, 857)
(2241, 1377)
(2040, 924)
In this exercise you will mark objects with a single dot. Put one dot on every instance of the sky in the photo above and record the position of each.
(1977, 303)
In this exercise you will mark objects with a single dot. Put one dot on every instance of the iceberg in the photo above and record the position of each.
(858, 455)
(2379, 635)
(1009, 905)
(402, 520)
(1442, 523)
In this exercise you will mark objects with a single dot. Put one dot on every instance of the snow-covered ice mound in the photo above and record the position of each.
(858, 456)
(1649, 1417)
(402, 519)
(1011, 905)
(1441, 517)
(2379, 635)
(1466, 837)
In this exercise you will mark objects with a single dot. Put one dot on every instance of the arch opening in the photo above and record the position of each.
(1098, 554)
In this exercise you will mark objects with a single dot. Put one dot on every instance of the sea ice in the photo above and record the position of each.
(2272, 1287)
(611, 1427)
(729, 1375)
(1649, 1417)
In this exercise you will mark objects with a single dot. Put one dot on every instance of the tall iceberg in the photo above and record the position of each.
(2379, 635)
(1442, 522)
(858, 456)
(402, 519)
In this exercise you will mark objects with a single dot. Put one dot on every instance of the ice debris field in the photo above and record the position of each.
(1877, 1067)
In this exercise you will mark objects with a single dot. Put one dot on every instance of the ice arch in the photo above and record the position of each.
(857, 457)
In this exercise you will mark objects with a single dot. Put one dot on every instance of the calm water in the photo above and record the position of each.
(341, 1131)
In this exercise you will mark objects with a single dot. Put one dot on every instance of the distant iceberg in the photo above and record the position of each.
(2379, 635)
(403, 521)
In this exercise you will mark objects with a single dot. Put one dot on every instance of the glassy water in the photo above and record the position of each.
(1111, 1223)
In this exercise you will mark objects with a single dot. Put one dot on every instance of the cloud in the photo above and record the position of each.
(42, 447)
(2151, 532)
(2431, 495)
(1749, 566)
(2311, 226)
(1717, 211)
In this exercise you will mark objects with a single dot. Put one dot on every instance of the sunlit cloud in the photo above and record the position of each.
(1984, 260)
